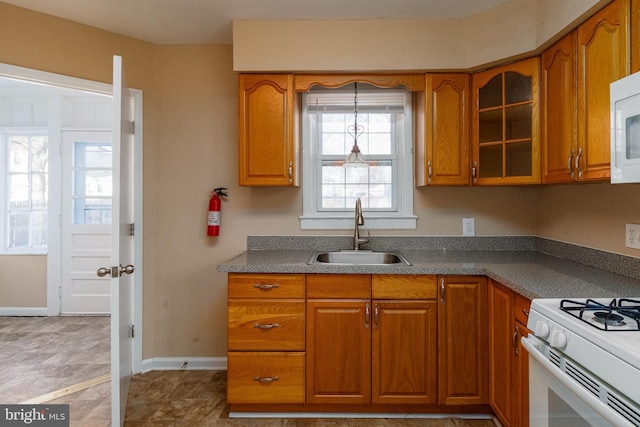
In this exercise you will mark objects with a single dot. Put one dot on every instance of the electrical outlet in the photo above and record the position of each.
(468, 227)
(632, 236)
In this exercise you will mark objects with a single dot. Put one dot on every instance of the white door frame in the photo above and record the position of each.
(55, 241)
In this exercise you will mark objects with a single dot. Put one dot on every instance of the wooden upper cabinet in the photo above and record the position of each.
(559, 110)
(505, 124)
(603, 57)
(442, 131)
(268, 152)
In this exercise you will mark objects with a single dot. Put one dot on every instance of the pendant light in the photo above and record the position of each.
(355, 157)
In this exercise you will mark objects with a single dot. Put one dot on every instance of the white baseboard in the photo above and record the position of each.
(186, 363)
(23, 311)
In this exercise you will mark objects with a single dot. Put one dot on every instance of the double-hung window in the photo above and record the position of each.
(24, 167)
(385, 186)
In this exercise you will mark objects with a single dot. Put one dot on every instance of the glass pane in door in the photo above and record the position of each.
(517, 88)
(518, 159)
(92, 183)
(491, 161)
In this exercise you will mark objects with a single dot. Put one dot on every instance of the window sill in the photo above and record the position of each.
(347, 223)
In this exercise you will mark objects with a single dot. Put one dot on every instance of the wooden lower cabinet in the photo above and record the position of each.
(338, 352)
(462, 340)
(404, 352)
(508, 369)
(375, 343)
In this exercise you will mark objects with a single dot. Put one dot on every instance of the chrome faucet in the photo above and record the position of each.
(359, 220)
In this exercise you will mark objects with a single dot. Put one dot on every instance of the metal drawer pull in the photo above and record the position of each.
(265, 380)
(525, 312)
(266, 325)
(376, 315)
(266, 286)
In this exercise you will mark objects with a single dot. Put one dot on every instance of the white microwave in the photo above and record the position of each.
(625, 129)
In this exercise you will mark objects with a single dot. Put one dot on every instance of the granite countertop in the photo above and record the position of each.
(526, 270)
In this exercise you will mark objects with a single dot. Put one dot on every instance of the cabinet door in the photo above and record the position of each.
(505, 125)
(404, 352)
(462, 340)
(442, 156)
(603, 57)
(267, 149)
(559, 111)
(338, 351)
(502, 342)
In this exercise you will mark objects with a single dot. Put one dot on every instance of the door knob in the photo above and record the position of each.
(127, 269)
(115, 271)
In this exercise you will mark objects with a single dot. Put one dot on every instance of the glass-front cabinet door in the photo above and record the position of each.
(505, 126)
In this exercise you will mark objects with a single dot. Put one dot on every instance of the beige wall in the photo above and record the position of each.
(190, 146)
(23, 281)
(513, 28)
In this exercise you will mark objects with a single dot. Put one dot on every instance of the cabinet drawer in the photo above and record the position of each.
(522, 309)
(357, 286)
(266, 285)
(265, 325)
(251, 377)
(403, 286)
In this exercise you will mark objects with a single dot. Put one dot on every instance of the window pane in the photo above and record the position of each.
(19, 191)
(19, 229)
(27, 186)
(39, 154)
(92, 183)
(93, 155)
(39, 191)
(19, 154)
(333, 143)
(92, 211)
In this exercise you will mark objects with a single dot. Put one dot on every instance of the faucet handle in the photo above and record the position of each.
(365, 240)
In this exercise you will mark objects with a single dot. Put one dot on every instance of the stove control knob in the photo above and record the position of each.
(542, 329)
(558, 340)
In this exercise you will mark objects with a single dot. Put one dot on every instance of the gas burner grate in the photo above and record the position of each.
(607, 317)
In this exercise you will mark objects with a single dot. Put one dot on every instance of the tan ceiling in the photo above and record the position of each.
(209, 21)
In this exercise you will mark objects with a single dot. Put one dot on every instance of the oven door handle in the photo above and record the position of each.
(596, 404)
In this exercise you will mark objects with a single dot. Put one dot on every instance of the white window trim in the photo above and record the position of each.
(404, 219)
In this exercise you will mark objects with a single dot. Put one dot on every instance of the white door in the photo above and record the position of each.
(121, 245)
(86, 221)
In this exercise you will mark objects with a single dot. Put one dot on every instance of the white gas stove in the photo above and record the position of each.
(590, 351)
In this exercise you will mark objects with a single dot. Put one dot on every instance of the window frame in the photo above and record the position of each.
(403, 218)
(5, 135)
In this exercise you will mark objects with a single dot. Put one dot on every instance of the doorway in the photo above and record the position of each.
(70, 124)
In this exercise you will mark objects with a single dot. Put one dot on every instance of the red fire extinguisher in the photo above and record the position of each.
(213, 222)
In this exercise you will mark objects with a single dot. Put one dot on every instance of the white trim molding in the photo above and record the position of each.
(184, 363)
(23, 311)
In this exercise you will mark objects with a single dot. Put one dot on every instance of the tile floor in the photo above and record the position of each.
(41, 355)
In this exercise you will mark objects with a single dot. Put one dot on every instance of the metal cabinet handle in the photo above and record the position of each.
(442, 290)
(266, 325)
(266, 286)
(569, 163)
(265, 380)
(376, 315)
(525, 312)
(429, 171)
(514, 340)
(290, 171)
(474, 171)
(577, 164)
(367, 315)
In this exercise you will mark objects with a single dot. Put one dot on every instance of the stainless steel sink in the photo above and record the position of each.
(359, 257)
